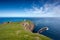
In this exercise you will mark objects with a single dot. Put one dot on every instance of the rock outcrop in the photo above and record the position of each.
(28, 25)
(43, 29)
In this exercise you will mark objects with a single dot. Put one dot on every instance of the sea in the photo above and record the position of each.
(53, 23)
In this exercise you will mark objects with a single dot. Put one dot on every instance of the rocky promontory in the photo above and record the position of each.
(20, 31)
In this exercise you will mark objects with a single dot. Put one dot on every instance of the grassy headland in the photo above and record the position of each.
(15, 31)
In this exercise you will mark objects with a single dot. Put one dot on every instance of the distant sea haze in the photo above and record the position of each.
(53, 23)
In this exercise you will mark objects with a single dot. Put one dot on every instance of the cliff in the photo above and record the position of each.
(28, 25)
(17, 31)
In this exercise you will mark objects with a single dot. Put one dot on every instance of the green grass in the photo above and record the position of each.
(15, 31)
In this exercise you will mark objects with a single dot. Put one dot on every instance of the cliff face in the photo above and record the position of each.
(28, 25)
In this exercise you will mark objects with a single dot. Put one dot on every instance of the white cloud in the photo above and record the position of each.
(47, 10)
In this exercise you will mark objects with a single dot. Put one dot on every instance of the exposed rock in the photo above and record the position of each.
(28, 25)
(42, 29)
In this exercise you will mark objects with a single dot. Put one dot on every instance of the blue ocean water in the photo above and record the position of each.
(53, 23)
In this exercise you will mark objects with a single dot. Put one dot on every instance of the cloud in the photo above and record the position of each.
(47, 10)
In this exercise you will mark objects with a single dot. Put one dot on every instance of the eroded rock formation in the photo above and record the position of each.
(28, 25)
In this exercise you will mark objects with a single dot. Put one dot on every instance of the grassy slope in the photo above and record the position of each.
(14, 31)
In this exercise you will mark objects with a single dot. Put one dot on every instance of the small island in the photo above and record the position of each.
(20, 31)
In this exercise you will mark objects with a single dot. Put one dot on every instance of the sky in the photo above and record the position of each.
(29, 8)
